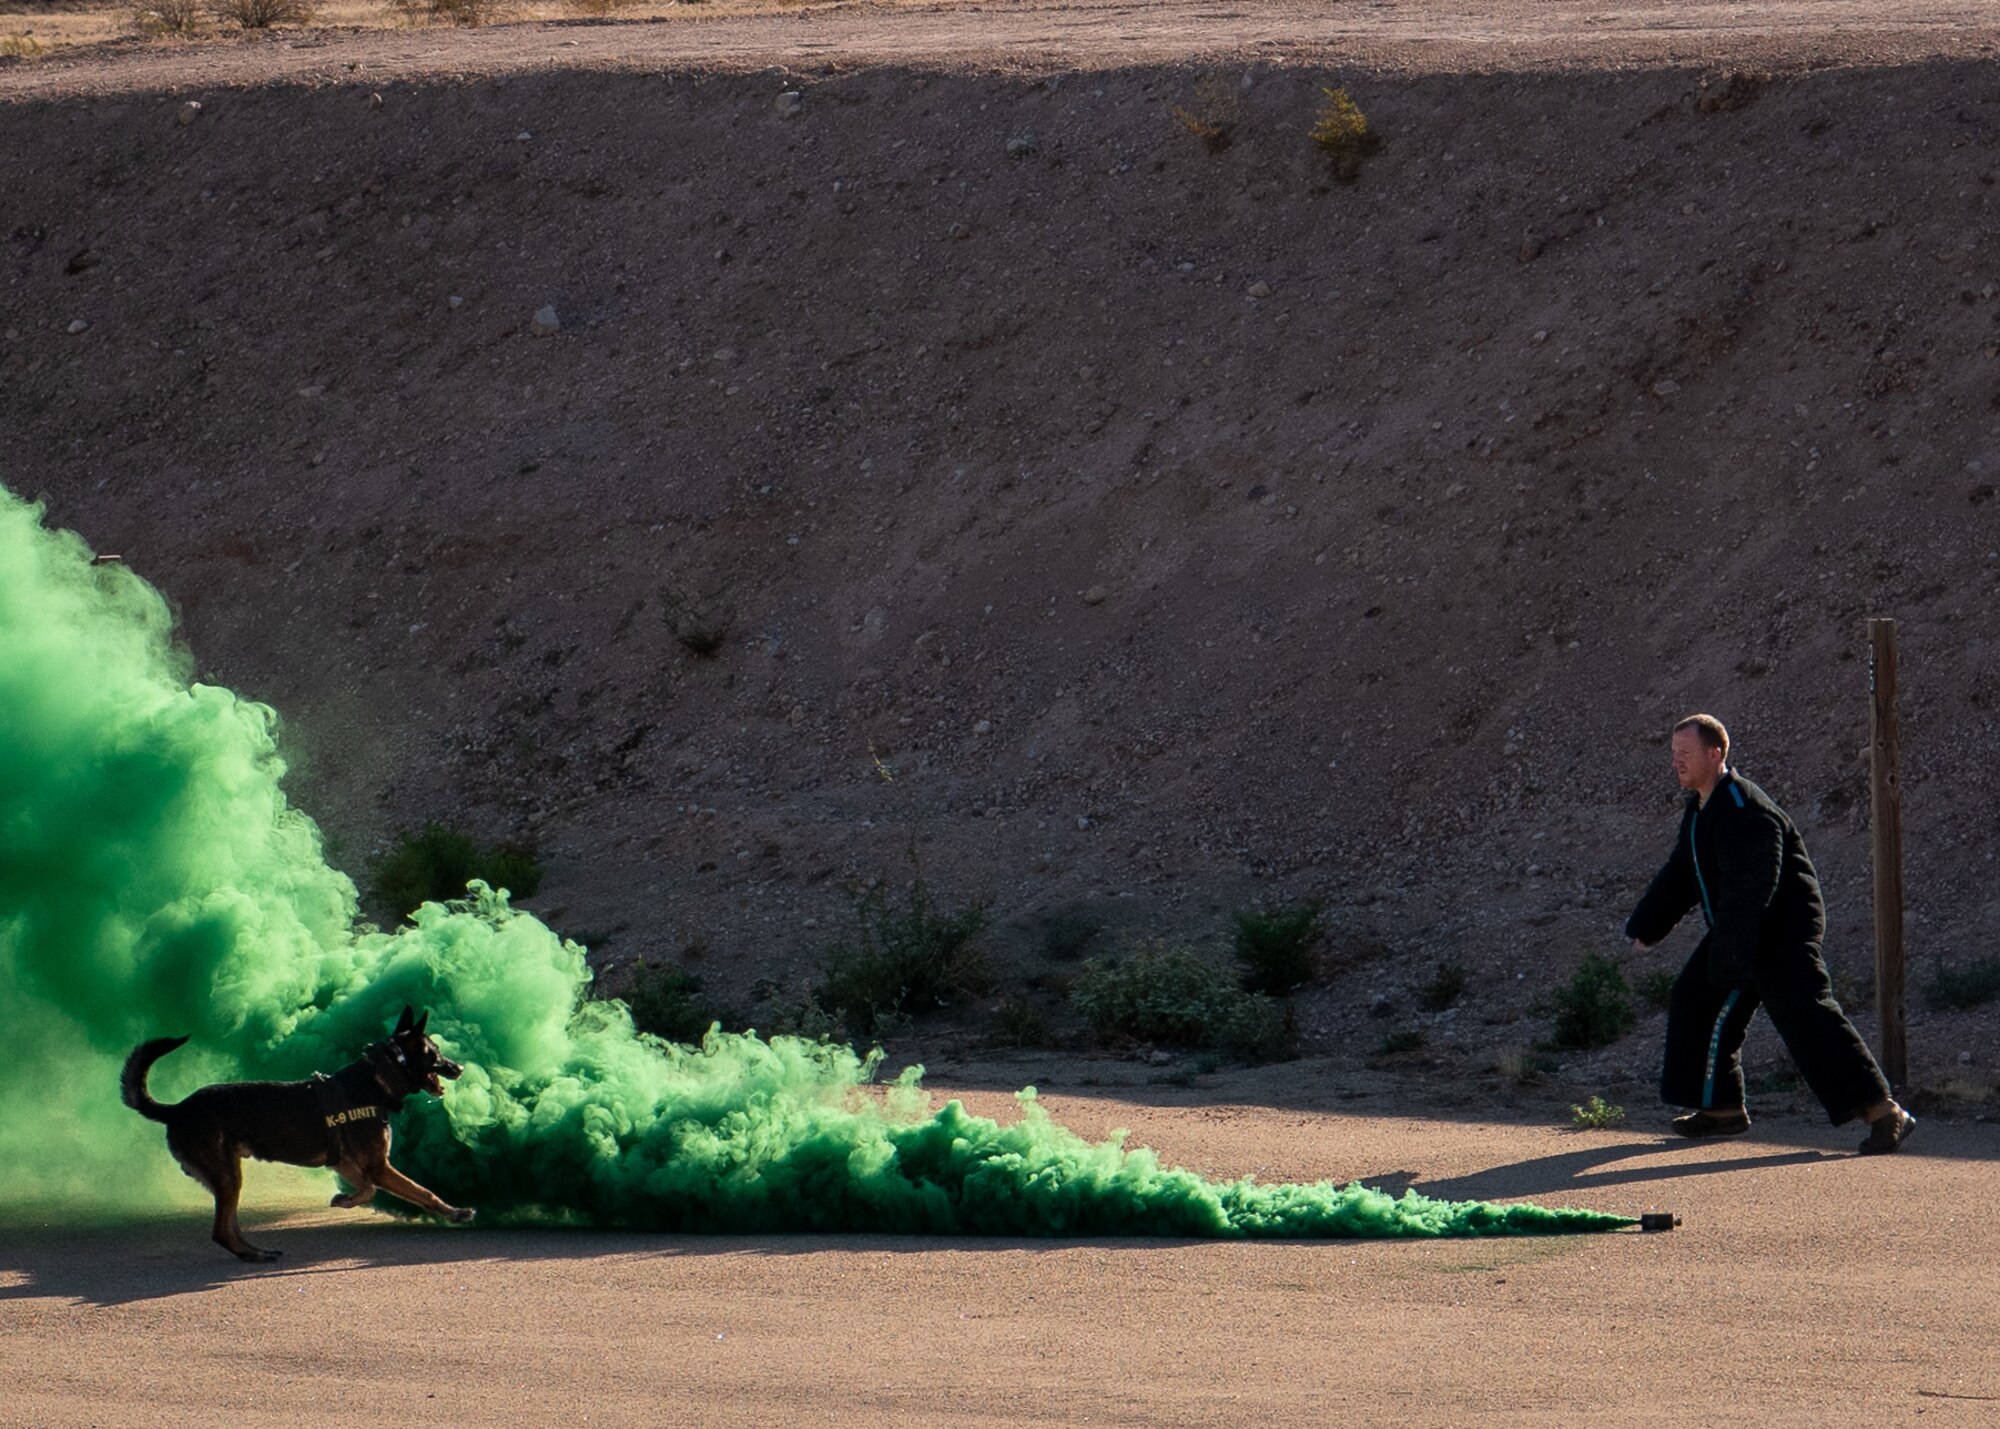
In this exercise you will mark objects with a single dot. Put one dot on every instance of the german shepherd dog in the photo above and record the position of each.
(340, 1121)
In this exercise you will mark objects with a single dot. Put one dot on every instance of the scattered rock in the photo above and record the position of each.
(985, 726)
(188, 113)
(1381, 1007)
(1095, 595)
(545, 323)
(958, 231)
(1666, 387)
(79, 325)
(790, 103)
(1260, 289)
(374, 101)
(1738, 89)
(1964, 1059)
(1020, 146)
(455, 302)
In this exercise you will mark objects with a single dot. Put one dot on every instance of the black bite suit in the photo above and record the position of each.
(1739, 859)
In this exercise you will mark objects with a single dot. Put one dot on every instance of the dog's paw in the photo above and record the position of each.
(251, 1255)
(343, 1200)
(461, 1215)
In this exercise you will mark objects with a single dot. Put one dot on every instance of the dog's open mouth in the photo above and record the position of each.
(443, 1068)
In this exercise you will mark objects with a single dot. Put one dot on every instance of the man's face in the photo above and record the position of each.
(1696, 765)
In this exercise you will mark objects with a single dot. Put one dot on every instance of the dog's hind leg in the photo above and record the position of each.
(228, 1187)
(228, 1234)
(212, 1161)
(397, 1184)
(363, 1192)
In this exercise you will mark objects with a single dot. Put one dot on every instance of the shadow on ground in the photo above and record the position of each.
(1580, 1170)
(107, 1261)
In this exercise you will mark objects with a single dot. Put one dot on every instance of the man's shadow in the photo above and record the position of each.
(1577, 1170)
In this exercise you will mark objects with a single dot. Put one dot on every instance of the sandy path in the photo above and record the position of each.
(1428, 35)
(1838, 1290)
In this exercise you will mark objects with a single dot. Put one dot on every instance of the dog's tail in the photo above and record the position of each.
(133, 1082)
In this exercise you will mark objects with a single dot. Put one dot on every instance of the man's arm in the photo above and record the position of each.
(1666, 900)
(1750, 855)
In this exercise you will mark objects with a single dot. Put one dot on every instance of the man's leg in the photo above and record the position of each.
(1826, 1049)
(1706, 1024)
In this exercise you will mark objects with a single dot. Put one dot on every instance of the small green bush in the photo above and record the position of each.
(1444, 989)
(436, 864)
(1400, 1041)
(1019, 1023)
(1851, 989)
(1068, 932)
(1657, 987)
(1167, 995)
(805, 1018)
(904, 958)
(1594, 1008)
(666, 1002)
(1344, 134)
(1776, 1081)
(1525, 1065)
(1276, 947)
(1966, 985)
(1595, 1115)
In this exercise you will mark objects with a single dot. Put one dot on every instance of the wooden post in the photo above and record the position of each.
(1886, 779)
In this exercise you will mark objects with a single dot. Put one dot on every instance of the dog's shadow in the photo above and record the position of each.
(160, 1257)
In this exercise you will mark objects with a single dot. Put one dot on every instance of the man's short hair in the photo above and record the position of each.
(1709, 728)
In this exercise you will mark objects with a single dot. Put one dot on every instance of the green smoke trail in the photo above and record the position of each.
(154, 880)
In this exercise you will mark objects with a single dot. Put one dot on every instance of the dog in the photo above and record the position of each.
(340, 1121)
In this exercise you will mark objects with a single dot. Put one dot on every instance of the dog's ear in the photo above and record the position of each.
(407, 1019)
(422, 1023)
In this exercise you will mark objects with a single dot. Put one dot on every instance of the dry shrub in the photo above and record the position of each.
(262, 14)
(21, 47)
(595, 7)
(1213, 115)
(1342, 132)
(169, 17)
(444, 12)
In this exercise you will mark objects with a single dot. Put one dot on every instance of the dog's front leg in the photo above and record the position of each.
(397, 1184)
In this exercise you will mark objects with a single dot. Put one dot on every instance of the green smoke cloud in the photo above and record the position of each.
(153, 880)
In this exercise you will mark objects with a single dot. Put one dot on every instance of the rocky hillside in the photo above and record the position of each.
(1182, 527)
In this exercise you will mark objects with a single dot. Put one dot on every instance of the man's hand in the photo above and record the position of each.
(1642, 946)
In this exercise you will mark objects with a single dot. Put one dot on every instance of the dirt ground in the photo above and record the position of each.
(1806, 1286)
(1185, 528)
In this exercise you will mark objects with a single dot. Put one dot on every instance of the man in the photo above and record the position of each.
(1739, 859)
